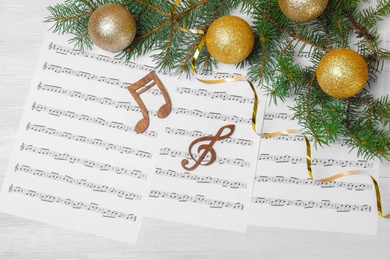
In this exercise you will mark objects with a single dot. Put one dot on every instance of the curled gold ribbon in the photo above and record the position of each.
(233, 79)
(284, 132)
(337, 176)
(218, 81)
(254, 113)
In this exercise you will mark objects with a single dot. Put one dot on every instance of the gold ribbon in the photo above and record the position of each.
(337, 176)
(219, 81)
(254, 113)
(284, 132)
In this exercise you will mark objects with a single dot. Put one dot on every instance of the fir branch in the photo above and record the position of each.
(379, 109)
(155, 29)
(264, 15)
(308, 112)
(325, 30)
(153, 7)
(90, 4)
(169, 44)
(273, 61)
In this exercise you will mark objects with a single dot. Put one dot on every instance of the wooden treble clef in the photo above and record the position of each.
(204, 149)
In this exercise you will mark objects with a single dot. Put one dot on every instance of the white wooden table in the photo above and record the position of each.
(21, 34)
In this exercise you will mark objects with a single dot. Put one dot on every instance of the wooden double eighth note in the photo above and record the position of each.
(140, 87)
(204, 149)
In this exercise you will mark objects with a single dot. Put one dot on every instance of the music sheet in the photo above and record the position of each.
(217, 195)
(285, 196)
(77, 162)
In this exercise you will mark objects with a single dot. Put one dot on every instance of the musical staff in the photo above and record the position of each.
(226, 75)
(93, 207)
(92, 98)
(315, 161)
(99, 57)
(79, 182)
(96, 120)
(311, 182)
(189, 133)
(201, 179)
(308, 204)
(220, 160)
(214, 95)
(88, 140)
(85, 75)
(94, 77)
(280, 116)
(87, 163)
(199, 199)
(301, 138)
(127, 105)
(211, 115)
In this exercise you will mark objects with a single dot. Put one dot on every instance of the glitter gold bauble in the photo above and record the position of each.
(111, 27)
(342, 73)
(230, 39)
(302, 10)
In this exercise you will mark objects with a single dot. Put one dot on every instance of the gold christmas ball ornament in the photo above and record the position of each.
(112, 27)
(230, 39)
(302, 10)
(342, 73)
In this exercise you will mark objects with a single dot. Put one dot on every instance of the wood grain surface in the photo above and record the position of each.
(21, 34)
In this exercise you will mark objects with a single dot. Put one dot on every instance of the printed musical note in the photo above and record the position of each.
(229, 140)
(211, 115)
(142, 86)
(214, 95)
(201, 179)
(96, 120)
(281, 116)
(88, 140)
(206, 149)
(74, 204)
(85, 75)
(199, 199)
(65, 50)
(88, 163)
(80, 182)
(324, 204)
(311, 182)
(315, 161)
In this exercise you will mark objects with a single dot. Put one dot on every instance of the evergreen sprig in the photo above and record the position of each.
(362, 119)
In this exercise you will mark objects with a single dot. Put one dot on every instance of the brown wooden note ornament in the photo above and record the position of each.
(140, 87)
(204, 149)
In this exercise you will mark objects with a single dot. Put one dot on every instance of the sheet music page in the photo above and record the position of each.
(217, 195)
(285, 196)
(77, 161)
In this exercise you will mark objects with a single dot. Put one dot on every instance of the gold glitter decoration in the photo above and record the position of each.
(342, 73)
(112, 27)
(229, 39)
(302, 10)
